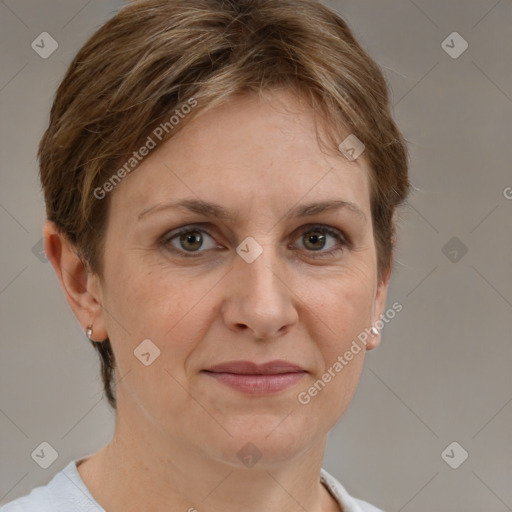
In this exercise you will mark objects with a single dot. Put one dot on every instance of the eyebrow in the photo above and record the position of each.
(219, 212)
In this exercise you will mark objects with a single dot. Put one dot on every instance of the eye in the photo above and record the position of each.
(188, 240)
(315, 239)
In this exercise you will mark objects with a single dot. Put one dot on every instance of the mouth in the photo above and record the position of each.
(257, 379)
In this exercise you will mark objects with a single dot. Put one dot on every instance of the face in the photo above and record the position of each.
(269, 280)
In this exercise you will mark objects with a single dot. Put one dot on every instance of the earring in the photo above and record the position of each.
(374, 330)
(88, 332)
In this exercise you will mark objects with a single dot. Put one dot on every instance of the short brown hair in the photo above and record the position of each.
(143, 63)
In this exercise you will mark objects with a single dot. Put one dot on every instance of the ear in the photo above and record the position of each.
(81, 288)
(378, 308)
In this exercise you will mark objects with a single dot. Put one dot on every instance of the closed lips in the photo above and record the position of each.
(250, 378)
(250, 368)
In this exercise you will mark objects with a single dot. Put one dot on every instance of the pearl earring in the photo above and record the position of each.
(88, 332)
(374, 330)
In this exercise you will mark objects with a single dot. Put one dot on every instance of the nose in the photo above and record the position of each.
(259, 297)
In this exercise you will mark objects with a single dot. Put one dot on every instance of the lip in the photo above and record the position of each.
(249, 368)
(257, 379)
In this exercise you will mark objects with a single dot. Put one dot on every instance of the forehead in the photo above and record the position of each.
(247, 150)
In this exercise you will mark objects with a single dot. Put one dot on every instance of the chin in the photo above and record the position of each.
(264, 440)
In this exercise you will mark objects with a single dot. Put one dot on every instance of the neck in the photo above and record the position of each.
(168, 475)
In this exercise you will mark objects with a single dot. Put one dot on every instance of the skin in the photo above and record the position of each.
(178, 430)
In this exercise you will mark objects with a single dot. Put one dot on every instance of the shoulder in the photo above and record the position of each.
(367, 507)
(65, 491)
(38, 500)
(347, 502)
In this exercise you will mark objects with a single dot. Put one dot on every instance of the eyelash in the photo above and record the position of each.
(343, 242)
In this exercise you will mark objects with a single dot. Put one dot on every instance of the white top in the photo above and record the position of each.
(66, 492)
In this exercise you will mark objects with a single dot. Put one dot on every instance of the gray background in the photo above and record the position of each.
(442, 372)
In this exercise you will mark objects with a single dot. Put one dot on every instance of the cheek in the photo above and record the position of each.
(166, 308)
(339, 311)
(342, 303)
(167, 311)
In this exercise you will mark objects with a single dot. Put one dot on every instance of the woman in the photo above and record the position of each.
(221, 179)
